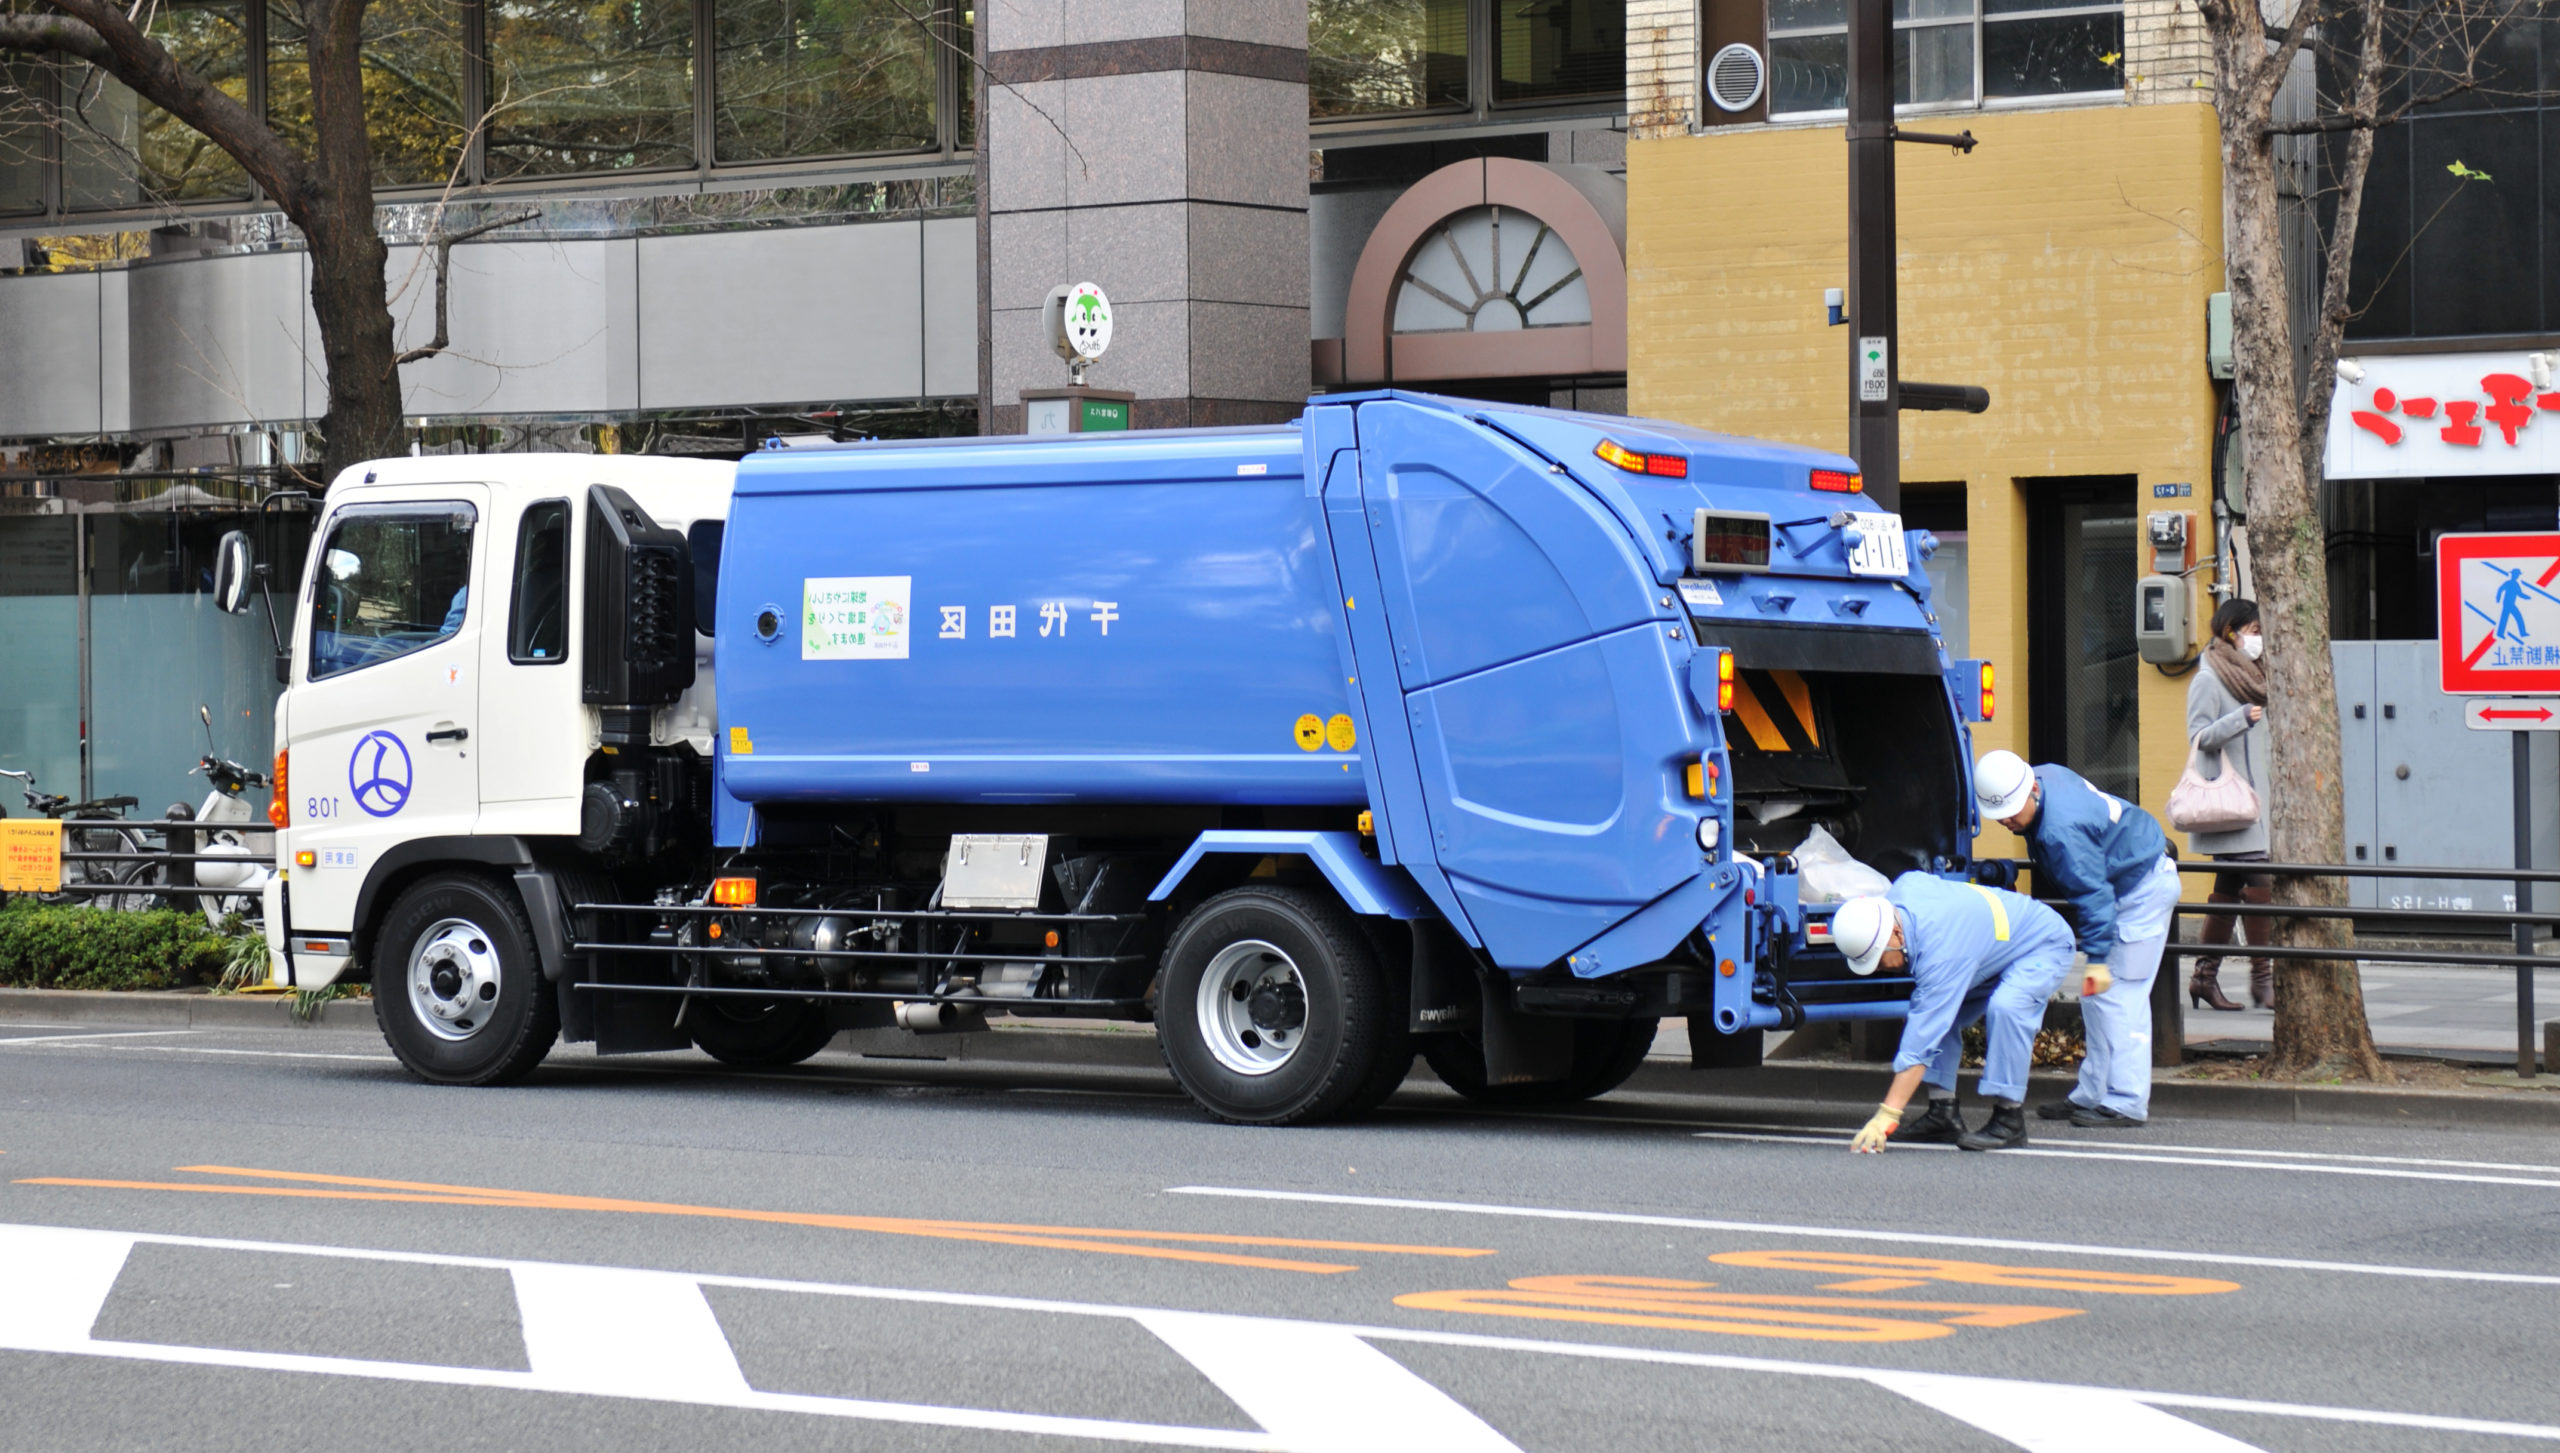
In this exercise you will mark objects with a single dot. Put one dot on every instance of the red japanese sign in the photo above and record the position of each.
(2498, 613)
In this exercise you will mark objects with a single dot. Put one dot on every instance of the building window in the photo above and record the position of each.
(1949, 52)
(823, 78)
(1556, 50)
(1375, 57)
(416, 86)
(582, 88)
(117, 152)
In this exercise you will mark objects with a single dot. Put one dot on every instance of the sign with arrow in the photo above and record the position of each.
(2498, 614)
(2513, 714)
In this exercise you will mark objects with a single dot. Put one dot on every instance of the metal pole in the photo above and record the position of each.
(2524, 903)
(1875, 419)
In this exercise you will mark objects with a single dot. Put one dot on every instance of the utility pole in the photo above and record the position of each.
(1877, 394)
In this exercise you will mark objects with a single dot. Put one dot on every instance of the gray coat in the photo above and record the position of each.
(2218, 721)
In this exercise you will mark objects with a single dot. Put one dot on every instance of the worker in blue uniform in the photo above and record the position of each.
(2110, 861)
(1975, 953)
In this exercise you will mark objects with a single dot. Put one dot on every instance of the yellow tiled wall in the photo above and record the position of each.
(2064, 264)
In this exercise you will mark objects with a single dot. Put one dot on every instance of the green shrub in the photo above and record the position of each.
(46, 946)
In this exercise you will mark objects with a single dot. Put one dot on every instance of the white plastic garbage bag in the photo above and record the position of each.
(1827, 874)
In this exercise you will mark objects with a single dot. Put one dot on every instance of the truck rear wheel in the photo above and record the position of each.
(757, 1034)
(1605, 1053)
(456, 987)
(1273, 1010)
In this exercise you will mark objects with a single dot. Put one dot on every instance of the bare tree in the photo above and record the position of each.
(2376, 62)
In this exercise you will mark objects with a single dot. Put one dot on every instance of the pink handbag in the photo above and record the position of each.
(2218, 804)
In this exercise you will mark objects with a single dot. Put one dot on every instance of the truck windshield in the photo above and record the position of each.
(393, 579)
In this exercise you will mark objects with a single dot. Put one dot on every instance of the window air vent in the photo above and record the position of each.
(1735, 76)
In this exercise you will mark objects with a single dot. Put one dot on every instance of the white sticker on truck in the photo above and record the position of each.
(854, 618)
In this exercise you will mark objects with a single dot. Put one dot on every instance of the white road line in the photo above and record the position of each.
(1800, 1132)
(382, 1058)
(625, 1334)
(1319, 1387)
(2045, 1419)
(79, 1295)
(1829, 1141)
(102, 1034)
(1844, 1233)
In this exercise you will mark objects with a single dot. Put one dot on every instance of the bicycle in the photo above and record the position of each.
(123, 859)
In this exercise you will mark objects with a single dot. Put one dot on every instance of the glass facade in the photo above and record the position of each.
(1557, 50)
(1949, 52)
(471, 92)
(1378, 57)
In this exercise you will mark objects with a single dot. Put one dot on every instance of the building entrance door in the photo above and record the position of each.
(2084, 676)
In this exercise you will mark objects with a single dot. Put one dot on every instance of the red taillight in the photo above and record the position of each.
(278, 812)
(1714, 775)
(1666, 466)
(1834, 482)
(1724, 681)
(734, 892)
(1986, 691)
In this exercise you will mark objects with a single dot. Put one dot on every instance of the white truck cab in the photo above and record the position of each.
(440, 705)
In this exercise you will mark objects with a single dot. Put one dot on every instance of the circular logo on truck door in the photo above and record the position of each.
(379, 774)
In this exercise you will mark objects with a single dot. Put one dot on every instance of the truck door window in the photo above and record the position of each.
(393, 579)
(538, 620)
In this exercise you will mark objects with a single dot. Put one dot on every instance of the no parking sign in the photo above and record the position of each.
(2498, 613)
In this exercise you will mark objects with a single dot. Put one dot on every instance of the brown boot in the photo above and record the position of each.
(2204, 986)
(2261, 932)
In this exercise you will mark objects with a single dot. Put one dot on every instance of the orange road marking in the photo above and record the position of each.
(1636, 1301)
(1894, 1273)
(1061, 1238)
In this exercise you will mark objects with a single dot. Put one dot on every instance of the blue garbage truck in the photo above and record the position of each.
(1417, 726)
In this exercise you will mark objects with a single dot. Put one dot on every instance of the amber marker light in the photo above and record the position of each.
(1697, 779)
(734, 892)
(1664, 466)
(1724, 681)
(1986, 691)
(306, 859)
(1833, 481)
(278, 811)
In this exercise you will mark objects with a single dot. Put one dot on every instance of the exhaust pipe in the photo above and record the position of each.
(941, 1018)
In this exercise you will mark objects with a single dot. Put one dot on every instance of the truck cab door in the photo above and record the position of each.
(1539, 682)
(533, 749)
(383, 724)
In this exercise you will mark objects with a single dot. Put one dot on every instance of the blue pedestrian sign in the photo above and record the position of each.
(2498, 613)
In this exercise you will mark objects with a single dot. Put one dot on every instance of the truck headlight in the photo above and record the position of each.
(1710, 832)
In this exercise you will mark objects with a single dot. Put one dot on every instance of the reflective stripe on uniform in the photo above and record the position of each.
(1999, 912)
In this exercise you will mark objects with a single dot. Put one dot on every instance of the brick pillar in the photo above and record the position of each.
(1159, 149)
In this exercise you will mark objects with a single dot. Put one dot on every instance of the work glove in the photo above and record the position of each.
(2098, 982)
(1880, 1127)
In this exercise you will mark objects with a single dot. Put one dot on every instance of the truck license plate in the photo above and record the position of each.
(1880, 550)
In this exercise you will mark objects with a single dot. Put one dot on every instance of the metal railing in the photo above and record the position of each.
(2168, 989)
(150, 877)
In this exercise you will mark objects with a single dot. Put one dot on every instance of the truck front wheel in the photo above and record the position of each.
(1605, 1053)
(1273, 1009)
(456, 987)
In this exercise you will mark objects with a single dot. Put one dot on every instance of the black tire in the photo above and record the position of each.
(1605, 1053)
(757, 1034)
(1349, 1034)
(467, 927)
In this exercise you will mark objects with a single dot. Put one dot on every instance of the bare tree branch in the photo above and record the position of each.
(443, 242)
(54, 34)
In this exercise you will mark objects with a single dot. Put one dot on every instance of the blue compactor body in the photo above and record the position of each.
(1418, 724)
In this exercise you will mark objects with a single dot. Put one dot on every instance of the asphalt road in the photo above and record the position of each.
(253, 1240)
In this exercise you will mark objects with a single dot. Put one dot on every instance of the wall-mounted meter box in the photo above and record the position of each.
(2163, 623)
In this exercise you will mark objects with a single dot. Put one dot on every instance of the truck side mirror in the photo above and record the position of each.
(232, 573)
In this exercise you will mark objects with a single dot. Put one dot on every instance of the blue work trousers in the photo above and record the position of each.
(2011, 1010)
(2117, 1024)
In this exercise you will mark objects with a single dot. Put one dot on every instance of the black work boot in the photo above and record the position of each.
(1940, 1124)
(2056, 1110)
(2005, 1130)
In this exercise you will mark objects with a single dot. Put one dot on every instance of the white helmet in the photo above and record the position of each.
(1861, 930)
(2002, 783)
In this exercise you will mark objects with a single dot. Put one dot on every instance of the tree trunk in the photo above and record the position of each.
(348, 258)
(2320, 1021)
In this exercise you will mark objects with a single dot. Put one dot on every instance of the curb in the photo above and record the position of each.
(1849, 1086)
(179, 1010)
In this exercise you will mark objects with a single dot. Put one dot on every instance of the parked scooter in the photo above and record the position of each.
(222, 832)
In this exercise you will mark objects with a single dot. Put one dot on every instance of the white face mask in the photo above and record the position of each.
(2253, 645)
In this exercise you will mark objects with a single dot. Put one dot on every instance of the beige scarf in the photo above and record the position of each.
(2242, 677)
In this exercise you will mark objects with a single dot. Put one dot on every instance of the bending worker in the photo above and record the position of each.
(2110, 860)
(1974, 953)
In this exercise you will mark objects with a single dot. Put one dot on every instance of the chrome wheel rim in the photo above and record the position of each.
(453, 979)
(1252, 1007)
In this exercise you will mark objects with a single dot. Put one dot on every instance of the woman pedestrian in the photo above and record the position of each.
(2226, 715)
